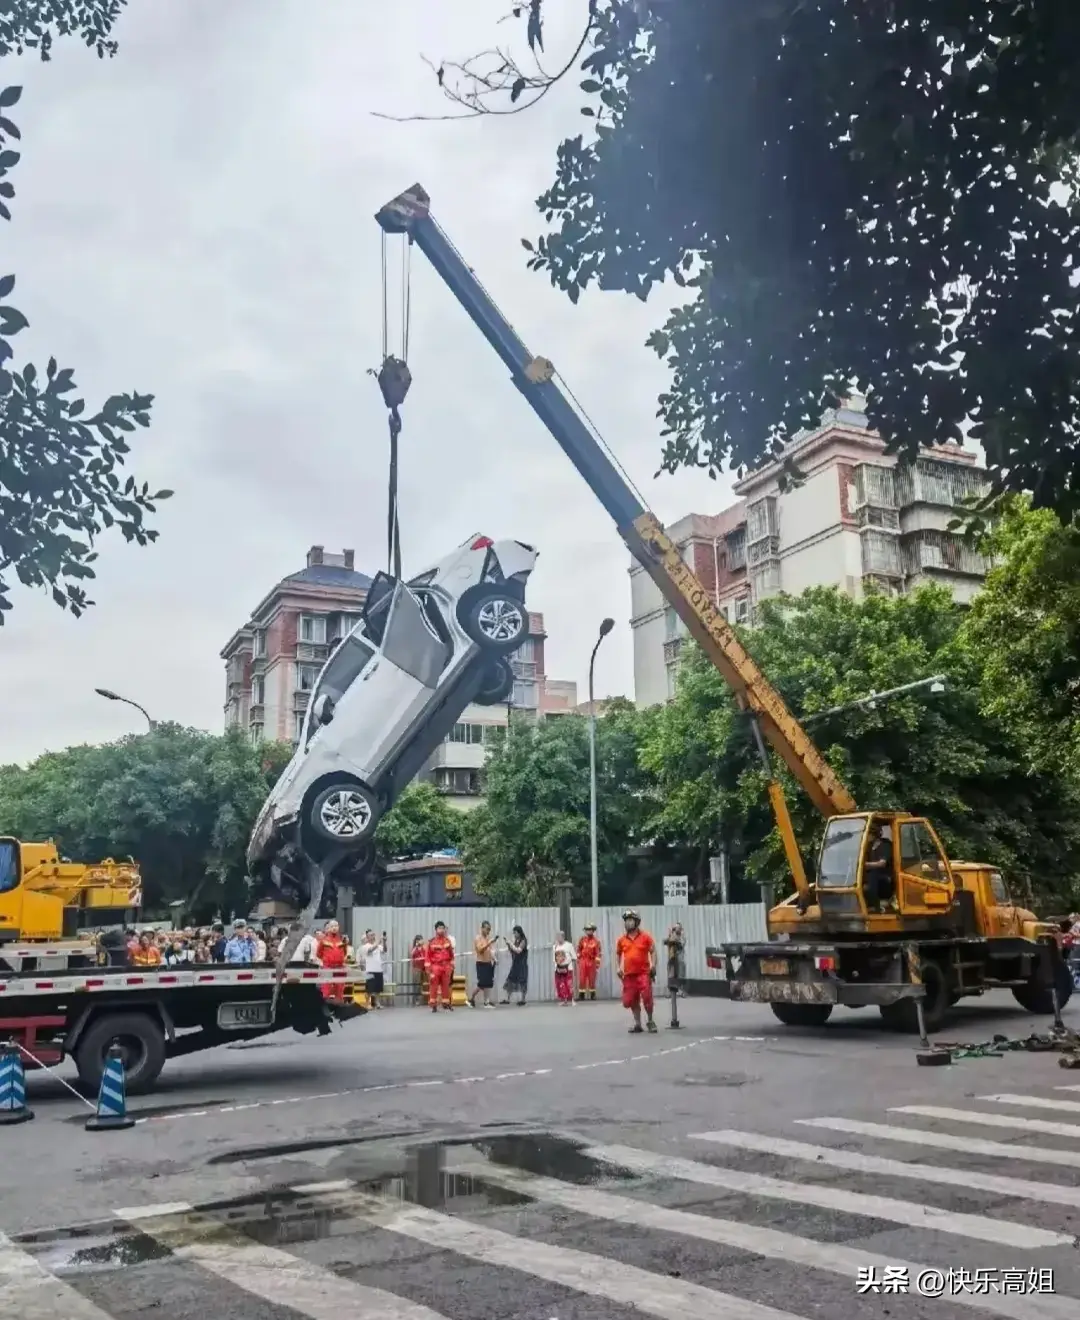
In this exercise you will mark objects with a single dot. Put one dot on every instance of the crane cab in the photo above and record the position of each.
(879, 872)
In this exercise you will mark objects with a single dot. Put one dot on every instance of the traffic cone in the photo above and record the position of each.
(111, 1112)
(13, 1087)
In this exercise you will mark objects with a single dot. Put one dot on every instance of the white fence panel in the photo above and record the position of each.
(703, 924)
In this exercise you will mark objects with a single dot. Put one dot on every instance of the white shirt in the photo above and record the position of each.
(566, 948)
(305, 950)
(260, 949)
(373, 958)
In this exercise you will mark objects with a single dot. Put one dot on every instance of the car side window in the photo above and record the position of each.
(344, 667)
(409, 642)
(999, 888)
(918, 852)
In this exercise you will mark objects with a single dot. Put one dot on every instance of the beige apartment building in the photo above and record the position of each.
(858, 521)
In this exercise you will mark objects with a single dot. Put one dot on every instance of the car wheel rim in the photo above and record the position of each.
(345, 814)
(499, 620)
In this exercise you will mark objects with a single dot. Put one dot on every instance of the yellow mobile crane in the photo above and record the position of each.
(888, 920)
(43, 897)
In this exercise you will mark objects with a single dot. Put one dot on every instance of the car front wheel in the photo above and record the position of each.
(496, 621)
(344, 814)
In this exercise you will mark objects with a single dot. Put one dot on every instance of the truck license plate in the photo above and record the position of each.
(236, 1017)
(774, 967)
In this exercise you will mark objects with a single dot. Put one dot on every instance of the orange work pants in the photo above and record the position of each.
(439, 978)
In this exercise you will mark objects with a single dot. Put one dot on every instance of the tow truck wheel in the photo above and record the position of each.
(496, 685)
(344, 814)
(142, 1041)
(802, 1015)
(1035, 996)
(495, 620)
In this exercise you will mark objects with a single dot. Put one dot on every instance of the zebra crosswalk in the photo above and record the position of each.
(734, 1225)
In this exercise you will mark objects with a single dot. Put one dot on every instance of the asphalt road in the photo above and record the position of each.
(539, 1162)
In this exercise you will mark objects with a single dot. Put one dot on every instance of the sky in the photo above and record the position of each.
(193, 219)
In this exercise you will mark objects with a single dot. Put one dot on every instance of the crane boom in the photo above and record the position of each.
(410, 214)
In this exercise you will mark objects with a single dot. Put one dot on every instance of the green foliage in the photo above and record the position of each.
(854, 195)
(1025, 627)
(61, 484)
(420, 821)
(180, 801)
(532, 830)
(944, 756)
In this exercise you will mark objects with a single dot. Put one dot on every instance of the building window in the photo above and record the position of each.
(313, 628)
(742, 610)
(462, 783)
(256, 733)
(671, 624)
(526, 652)
(344, 625)
(298, 725)
(258, 644)
(305, 677)
(258, 690)
(473, 734)
(525, 696)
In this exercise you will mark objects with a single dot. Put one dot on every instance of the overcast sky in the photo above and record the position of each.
(194, 219)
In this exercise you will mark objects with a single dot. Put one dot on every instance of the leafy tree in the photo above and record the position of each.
(180, 801)
(854, 195)
(61, 483)
(1025, 628)
(420, 821)
(944, 757)
(532, 830)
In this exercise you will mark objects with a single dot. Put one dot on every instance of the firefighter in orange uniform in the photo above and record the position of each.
(440, 967)
(588, 960)
(330, 951)
(635, 955)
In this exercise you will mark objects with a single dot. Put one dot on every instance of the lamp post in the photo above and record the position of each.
(936, 683)
(109, 695)
(606, 626)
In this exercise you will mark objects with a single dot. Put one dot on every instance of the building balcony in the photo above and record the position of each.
(931, 481)
(736, 550)
(301, 697)
(762, 551)
(258, 664)
(934, 551)
(762, 519)
(876, 515)
(881, 555)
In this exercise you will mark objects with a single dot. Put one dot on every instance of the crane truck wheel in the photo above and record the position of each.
(1036, 998)
(140, 1036)
(495, 620)
(802, 1015)
(902, 1016)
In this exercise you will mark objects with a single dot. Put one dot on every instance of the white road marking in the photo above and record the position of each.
(1067, 1088)
(275, 1276)
(29, 1292)
(946, 1141)
(971, 1118)
(768, 1242)
(667, 1298)
(1022, 1188)
(908, 1213)
(1033, 1102)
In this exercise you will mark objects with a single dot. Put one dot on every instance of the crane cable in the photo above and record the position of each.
(394, 380)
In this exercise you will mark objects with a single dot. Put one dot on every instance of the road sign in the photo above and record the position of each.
(676, 890)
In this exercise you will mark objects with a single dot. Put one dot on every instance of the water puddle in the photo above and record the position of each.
(118, 1249)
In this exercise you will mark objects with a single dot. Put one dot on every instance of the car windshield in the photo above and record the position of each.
(9, 866)
(839, 867)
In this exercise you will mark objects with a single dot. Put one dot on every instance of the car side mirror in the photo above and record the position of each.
(323, 710)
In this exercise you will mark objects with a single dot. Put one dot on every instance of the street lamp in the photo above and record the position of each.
(109, 695)
(606, 626)
(936, 683)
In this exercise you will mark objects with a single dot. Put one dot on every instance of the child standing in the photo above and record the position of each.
(563, 956)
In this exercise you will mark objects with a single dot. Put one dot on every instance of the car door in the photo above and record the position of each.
(384, 704)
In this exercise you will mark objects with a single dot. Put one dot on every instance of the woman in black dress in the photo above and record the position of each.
(517, 979)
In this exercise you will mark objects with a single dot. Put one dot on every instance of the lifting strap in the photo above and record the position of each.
(394, 380)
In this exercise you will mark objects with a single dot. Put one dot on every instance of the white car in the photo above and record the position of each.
(389, 694)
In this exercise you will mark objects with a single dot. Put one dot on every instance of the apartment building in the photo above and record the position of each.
(858, 521)
(273, 660)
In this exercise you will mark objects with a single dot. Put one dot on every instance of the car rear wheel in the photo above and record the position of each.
(496, 685)
(344, 814)
(496, 621)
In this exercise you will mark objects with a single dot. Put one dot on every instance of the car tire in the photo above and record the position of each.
(142, 1039)
(497, 685)
(344, 815)
(902, 1015)
(495, 620)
